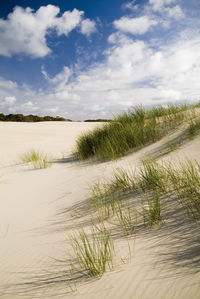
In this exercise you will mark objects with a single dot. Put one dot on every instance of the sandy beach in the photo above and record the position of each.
(37, 216)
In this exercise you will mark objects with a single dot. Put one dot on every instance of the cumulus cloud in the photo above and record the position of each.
(68, 21)
(24, 31)
(88, 27)
(136, 26)
(133, 71)
(9, 101)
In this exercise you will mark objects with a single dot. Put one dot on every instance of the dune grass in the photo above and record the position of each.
(127, 196)
(36, 158)
(129, 131)
(152, 208)
(126, 218)
(152, 176)
(149, 185)
(186, 182)
(103, 200)
(94, 252)
(123, 181)
(194, 128)
(133, 201)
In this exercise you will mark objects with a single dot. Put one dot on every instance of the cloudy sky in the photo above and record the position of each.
(94, 58)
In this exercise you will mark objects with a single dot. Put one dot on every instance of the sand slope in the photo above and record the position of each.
(36, 220)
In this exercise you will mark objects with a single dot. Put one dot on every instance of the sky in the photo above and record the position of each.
(84, 59)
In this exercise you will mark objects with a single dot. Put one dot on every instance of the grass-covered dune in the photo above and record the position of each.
(131, 130)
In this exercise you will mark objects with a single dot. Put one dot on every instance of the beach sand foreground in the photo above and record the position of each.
(36, 220)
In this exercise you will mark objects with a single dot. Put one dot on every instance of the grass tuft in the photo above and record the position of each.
(38, 159)
(152, 210)
(123, 181)
(194, 128)
(186, 182)
(93, 253)
(152, 176)
(125, 219)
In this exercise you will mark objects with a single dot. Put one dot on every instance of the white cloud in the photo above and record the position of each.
(133, 72)
(28, 104)
(52, 110)
(158, 5)
(44, 73)
(136, 26)
(60, 80)
(119, 38)
(165, 9)
(88, 27)
(8, 101)
(175, 12)
(24, 31)
(131, 5)
(7, 83)
(167, 94)
(68, 21)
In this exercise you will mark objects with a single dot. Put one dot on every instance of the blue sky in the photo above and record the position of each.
(91, 59)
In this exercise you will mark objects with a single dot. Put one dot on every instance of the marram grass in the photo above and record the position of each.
(129, 131)
(194, 128)
(94, 252)
(149, 185)
(36, 158)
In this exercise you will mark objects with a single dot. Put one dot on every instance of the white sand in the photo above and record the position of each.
(33, 235)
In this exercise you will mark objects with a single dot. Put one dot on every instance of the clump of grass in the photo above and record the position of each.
(152, 176)
(123, 180)
(194, 128)
(152, 210)
(125, 218)
(93, 253)
(128, 131)
(153, 180)
(186, 183)
(37, 159)
(101, 200)
(106, 196)
(116, 138)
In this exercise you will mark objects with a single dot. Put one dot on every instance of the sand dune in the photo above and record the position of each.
(36, 219)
